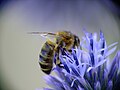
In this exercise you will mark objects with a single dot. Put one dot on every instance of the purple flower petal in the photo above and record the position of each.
(110, 51)
(110, 85)
(97, 86)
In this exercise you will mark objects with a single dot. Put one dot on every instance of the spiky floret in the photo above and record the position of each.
(89, 68)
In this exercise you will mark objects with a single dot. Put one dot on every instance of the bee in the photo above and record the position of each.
(49, 53)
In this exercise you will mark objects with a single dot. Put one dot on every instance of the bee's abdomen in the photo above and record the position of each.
(46, 57)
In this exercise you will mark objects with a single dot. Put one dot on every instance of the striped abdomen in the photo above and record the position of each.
(46, 57)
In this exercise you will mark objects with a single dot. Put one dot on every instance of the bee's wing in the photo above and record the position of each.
(47, 35)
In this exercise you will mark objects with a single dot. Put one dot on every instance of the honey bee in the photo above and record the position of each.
(62, 39)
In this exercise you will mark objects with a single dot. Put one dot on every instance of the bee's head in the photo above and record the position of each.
(65, 34)
(65, 37)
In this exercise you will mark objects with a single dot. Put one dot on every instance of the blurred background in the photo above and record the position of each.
(19, 69)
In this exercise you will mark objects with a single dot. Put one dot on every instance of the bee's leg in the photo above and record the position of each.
(57, 59)
(56, 48)
(76, 42)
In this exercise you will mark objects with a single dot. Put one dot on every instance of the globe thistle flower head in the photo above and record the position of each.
(87, 67)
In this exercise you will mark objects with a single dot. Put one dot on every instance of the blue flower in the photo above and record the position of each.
(88, 67)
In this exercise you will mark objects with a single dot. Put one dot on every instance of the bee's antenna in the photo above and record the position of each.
(34, 32)
(43, 34)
